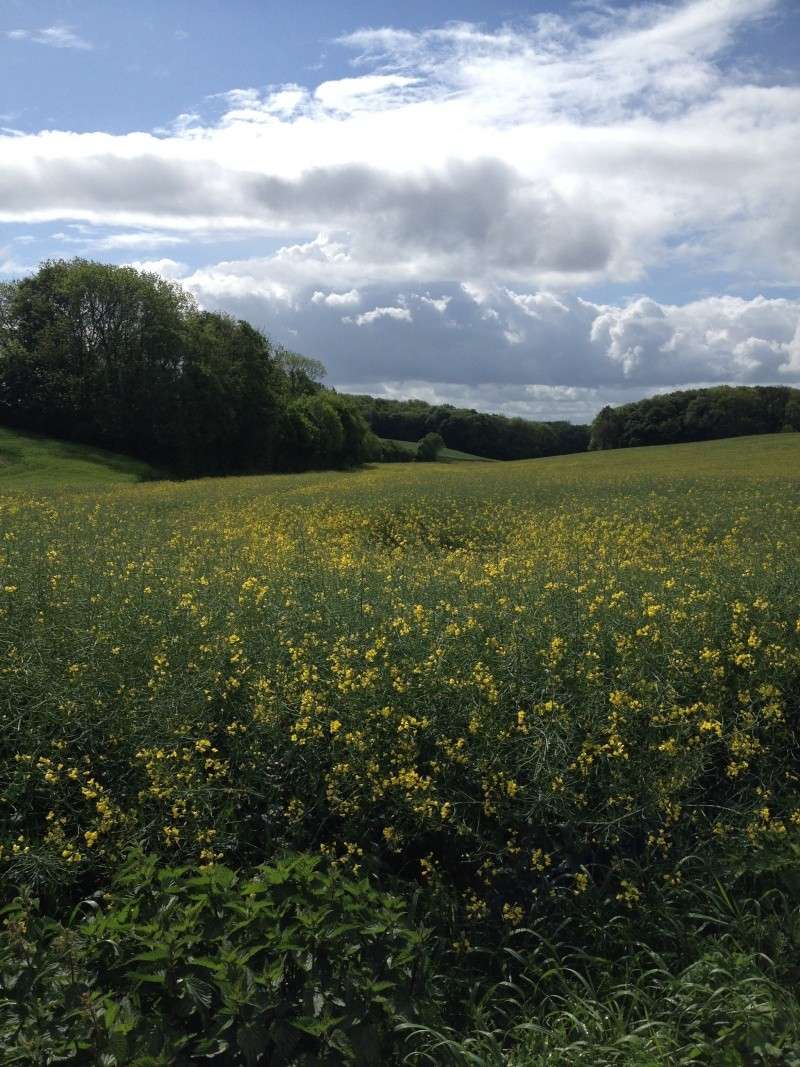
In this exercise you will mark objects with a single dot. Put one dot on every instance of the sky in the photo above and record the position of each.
(532, 208)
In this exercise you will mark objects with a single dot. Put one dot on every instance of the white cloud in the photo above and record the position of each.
(531, 304)
(336, 299)
(90, 241)
(792, 365)
(56, 36)
(717, 338)
(555, 153)
(369, 92)
(437, 303)
(490, 335)
(137, 240)
(400, 314)
(167, 268)
(490, 176)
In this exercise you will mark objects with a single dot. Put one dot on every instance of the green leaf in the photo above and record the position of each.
(159, 978)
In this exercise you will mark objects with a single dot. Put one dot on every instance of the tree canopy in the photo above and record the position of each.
(698, 415)
(123, 359)
(492, 436)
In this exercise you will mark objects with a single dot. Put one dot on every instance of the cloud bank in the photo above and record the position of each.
(464, 187)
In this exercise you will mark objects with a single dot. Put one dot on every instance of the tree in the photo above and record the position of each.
(232, 392)
(100, 349)
(429, 447)
(792, 411)
(606, 429)
(303, 373)
(697, 415)
(494, 436)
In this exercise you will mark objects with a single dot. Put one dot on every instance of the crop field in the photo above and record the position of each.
(527, 733)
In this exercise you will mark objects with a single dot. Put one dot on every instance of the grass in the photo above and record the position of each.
(550, 708)
(445, 455)
(31, 462)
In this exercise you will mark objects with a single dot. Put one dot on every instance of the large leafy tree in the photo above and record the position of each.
(121, 358)
(93, 352)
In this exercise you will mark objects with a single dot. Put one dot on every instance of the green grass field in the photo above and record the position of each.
(451, 763)
(28, 462)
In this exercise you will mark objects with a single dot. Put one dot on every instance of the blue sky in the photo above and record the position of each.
(535, 208)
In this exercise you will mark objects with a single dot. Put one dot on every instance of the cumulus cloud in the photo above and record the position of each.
(368, 317)
(501, 337)
(718, 338)
(532, 304)
(170, 269)
(333, 300)
(56, 36)
(437, 303)
(555, 151)
(484, 178)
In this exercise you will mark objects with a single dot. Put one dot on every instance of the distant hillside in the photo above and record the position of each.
(447, 454)
(32, 462)
(473, 432)
(698, 415)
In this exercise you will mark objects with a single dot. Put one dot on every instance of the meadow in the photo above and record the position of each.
(513, 746)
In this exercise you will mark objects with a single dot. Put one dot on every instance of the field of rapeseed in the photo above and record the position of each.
(537, 721)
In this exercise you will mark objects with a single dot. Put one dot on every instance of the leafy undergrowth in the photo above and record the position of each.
(429, 764)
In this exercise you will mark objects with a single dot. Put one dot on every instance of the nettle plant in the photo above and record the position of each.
(299, 964)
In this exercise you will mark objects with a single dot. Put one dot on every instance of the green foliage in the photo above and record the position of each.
(406, 451)
(429, 447)
(114, 357)
(304, 375)
(697, 415)
(395, 451)
(322, 429)
(725, 1008)
(473, 432)
(297, 964)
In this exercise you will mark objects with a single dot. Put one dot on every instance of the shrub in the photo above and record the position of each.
(429, 447)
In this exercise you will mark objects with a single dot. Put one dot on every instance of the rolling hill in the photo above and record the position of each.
(28, 461)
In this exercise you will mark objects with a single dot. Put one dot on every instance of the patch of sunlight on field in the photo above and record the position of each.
(33, 462)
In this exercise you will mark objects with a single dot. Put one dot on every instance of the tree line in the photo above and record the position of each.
(698, 415)
(122, 359)
(492, 436)
(125, 360)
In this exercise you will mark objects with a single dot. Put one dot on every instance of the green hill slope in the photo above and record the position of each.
(29, 462)
(451, 454)
(762, 456)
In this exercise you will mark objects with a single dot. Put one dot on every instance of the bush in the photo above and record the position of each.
(391, 452)
(429, 447)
